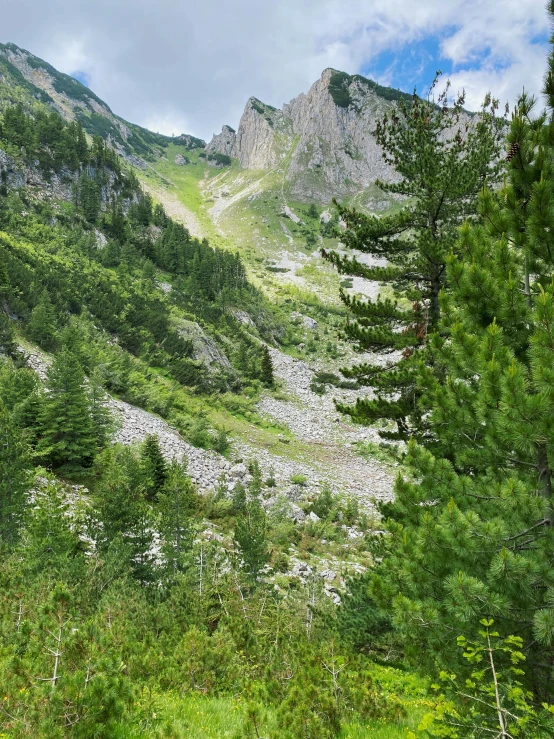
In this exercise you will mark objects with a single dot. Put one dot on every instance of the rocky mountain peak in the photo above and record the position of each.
(322, 137)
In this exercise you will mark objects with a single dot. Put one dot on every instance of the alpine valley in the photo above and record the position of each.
(215, 361)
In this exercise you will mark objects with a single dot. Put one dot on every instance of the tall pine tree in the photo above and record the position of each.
(15, 476)
(67, 430)
(441, 158)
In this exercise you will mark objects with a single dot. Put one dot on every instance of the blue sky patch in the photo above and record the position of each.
(411, 65)
(415, 64)
(82, 77)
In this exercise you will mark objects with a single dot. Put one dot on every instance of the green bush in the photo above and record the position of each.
(299, 479)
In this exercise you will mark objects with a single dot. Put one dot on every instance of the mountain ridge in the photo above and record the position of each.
(27, 78)
(322, 137)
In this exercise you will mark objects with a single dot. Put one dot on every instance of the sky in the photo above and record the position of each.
(183, 66)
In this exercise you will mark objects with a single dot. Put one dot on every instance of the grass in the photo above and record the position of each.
(167, 715)
(180, 718)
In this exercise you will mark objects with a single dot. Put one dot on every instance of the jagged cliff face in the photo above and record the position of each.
(323, 139)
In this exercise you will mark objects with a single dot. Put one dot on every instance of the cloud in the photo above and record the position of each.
(178, 64)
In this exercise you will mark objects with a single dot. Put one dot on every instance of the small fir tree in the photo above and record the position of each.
(42, 323)
(177, 502)
(266, 368)
(153, 465)
(15, 477)
(68, 436)
(251, 536)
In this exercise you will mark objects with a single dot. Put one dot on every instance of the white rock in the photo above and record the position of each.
(238, 471)
(296, 513)
(328, 575)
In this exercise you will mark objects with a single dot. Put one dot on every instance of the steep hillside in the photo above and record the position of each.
(27, 79)
(248, 189)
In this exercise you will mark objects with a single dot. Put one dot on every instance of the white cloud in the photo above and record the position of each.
(179, 63)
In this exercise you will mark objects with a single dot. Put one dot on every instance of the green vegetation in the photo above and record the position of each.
(340, 82)
(133, 606)
(442, 162)
(468, 538)
(221, 159)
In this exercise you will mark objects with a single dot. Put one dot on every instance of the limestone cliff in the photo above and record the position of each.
(323, 138)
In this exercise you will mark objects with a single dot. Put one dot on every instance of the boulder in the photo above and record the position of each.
(296, 513)
(238, 471)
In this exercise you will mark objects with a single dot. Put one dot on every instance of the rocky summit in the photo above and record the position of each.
(323, 139)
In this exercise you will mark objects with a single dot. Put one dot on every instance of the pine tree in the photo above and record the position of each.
(8, 345)
(154, 466)
(14, 476)
(42, 323)
(127, 520)
(48, 543)
(441, 158)
(102, 419)
(251, 537)
(266, 368)
(67, 430)
(471, 532)
(176, 504)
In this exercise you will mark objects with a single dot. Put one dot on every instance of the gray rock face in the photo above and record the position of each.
(205, 348)
(329, 148)
(223, 143)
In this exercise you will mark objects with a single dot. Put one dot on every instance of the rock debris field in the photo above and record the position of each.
(326, 436)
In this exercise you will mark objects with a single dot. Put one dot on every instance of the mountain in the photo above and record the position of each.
(320, 144)
(25, 78)
(322, 139)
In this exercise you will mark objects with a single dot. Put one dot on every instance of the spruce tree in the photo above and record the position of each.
(154, 466)
(266, 368)
(441, 158)
(251, 528)
(176, 504)
(15, 476)
(8, 345)
(127, 520)
(102, 419)
(42, 323)
(67, 430)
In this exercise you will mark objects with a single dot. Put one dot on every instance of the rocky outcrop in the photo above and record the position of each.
(205, 348)
(324, 136)
(223, 143)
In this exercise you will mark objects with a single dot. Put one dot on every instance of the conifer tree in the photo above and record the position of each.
(471, 532)
(42, 323)
(441, 159)
(8, 345)
(48, 543)
(153, 465)
(266, 368)
(102, 419)
(67, 430)
(251, 530)
(14, 476)
(177, 502)
(127, 520)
